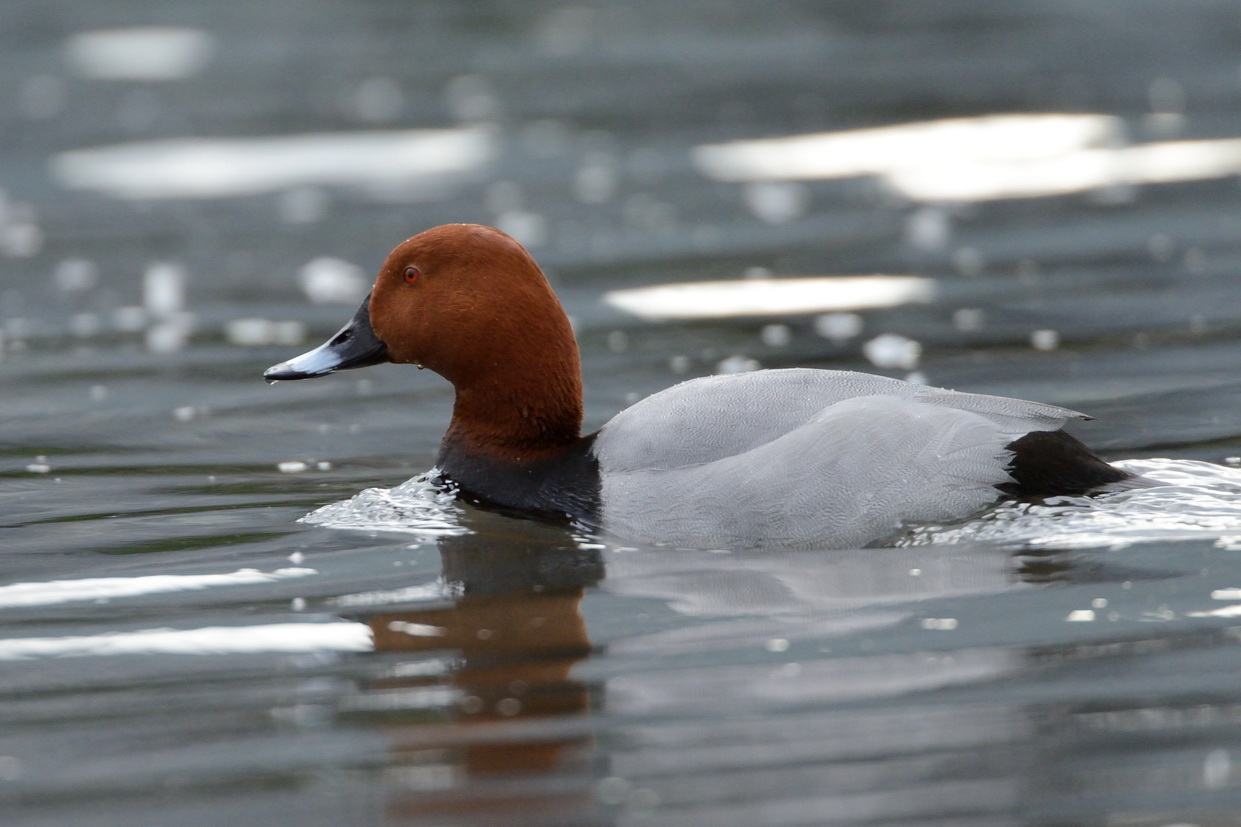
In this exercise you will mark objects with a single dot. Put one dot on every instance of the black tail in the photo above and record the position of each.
(1051, 463)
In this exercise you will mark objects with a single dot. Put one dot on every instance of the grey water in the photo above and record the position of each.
(193, 192)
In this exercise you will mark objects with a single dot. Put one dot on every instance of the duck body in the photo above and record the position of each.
(793, 458)
(807, 458)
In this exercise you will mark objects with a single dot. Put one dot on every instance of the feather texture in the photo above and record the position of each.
(805, 458)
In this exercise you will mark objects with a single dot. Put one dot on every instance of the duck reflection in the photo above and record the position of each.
(493, 702)
(485, 723)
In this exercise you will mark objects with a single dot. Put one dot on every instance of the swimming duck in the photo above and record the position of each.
(794, 458)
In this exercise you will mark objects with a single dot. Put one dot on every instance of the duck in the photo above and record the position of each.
(792, 458)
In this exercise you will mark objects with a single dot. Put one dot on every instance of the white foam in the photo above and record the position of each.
(839, 327)
(977, 159)
(416, 506)
(327, 280)
(163, 288)
(170, 333)
(1045, 339)
(770, 296)
(1089, 169)
(438, 590)
(882, 150)
(408, 160)
(20, 595)
(209, 640)
(151, 53)
(597, 180)
(1189, 500)
(529, 228)
(891, 350)
(737, 363)
(255, 332)
(777, 202)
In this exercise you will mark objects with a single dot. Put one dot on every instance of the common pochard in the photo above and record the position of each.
(773, 458)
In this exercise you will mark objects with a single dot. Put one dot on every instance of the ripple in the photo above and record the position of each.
(283, 638)
(417, 506)
(109, 588)
(150, 53)
(1188, 500)
(401, 164)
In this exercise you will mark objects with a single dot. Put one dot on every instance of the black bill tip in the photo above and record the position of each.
(354, 346)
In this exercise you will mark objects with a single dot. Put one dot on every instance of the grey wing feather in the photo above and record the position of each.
(707, 419)
(805, 458)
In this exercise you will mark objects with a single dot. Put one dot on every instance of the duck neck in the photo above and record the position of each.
(519, 415)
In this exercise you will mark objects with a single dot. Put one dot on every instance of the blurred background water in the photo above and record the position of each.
(1036, 199)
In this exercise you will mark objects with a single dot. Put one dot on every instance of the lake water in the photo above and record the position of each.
(1038, 200)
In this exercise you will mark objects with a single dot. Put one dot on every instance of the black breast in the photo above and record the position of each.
(563, 488)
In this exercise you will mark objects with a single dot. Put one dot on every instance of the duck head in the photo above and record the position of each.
(469, 303)
(457, 299)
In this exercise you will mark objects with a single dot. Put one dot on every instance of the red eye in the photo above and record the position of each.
(411, 275)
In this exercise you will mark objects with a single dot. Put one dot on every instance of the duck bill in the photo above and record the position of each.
(354, 346)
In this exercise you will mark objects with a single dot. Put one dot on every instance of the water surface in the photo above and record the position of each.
(194, 193)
